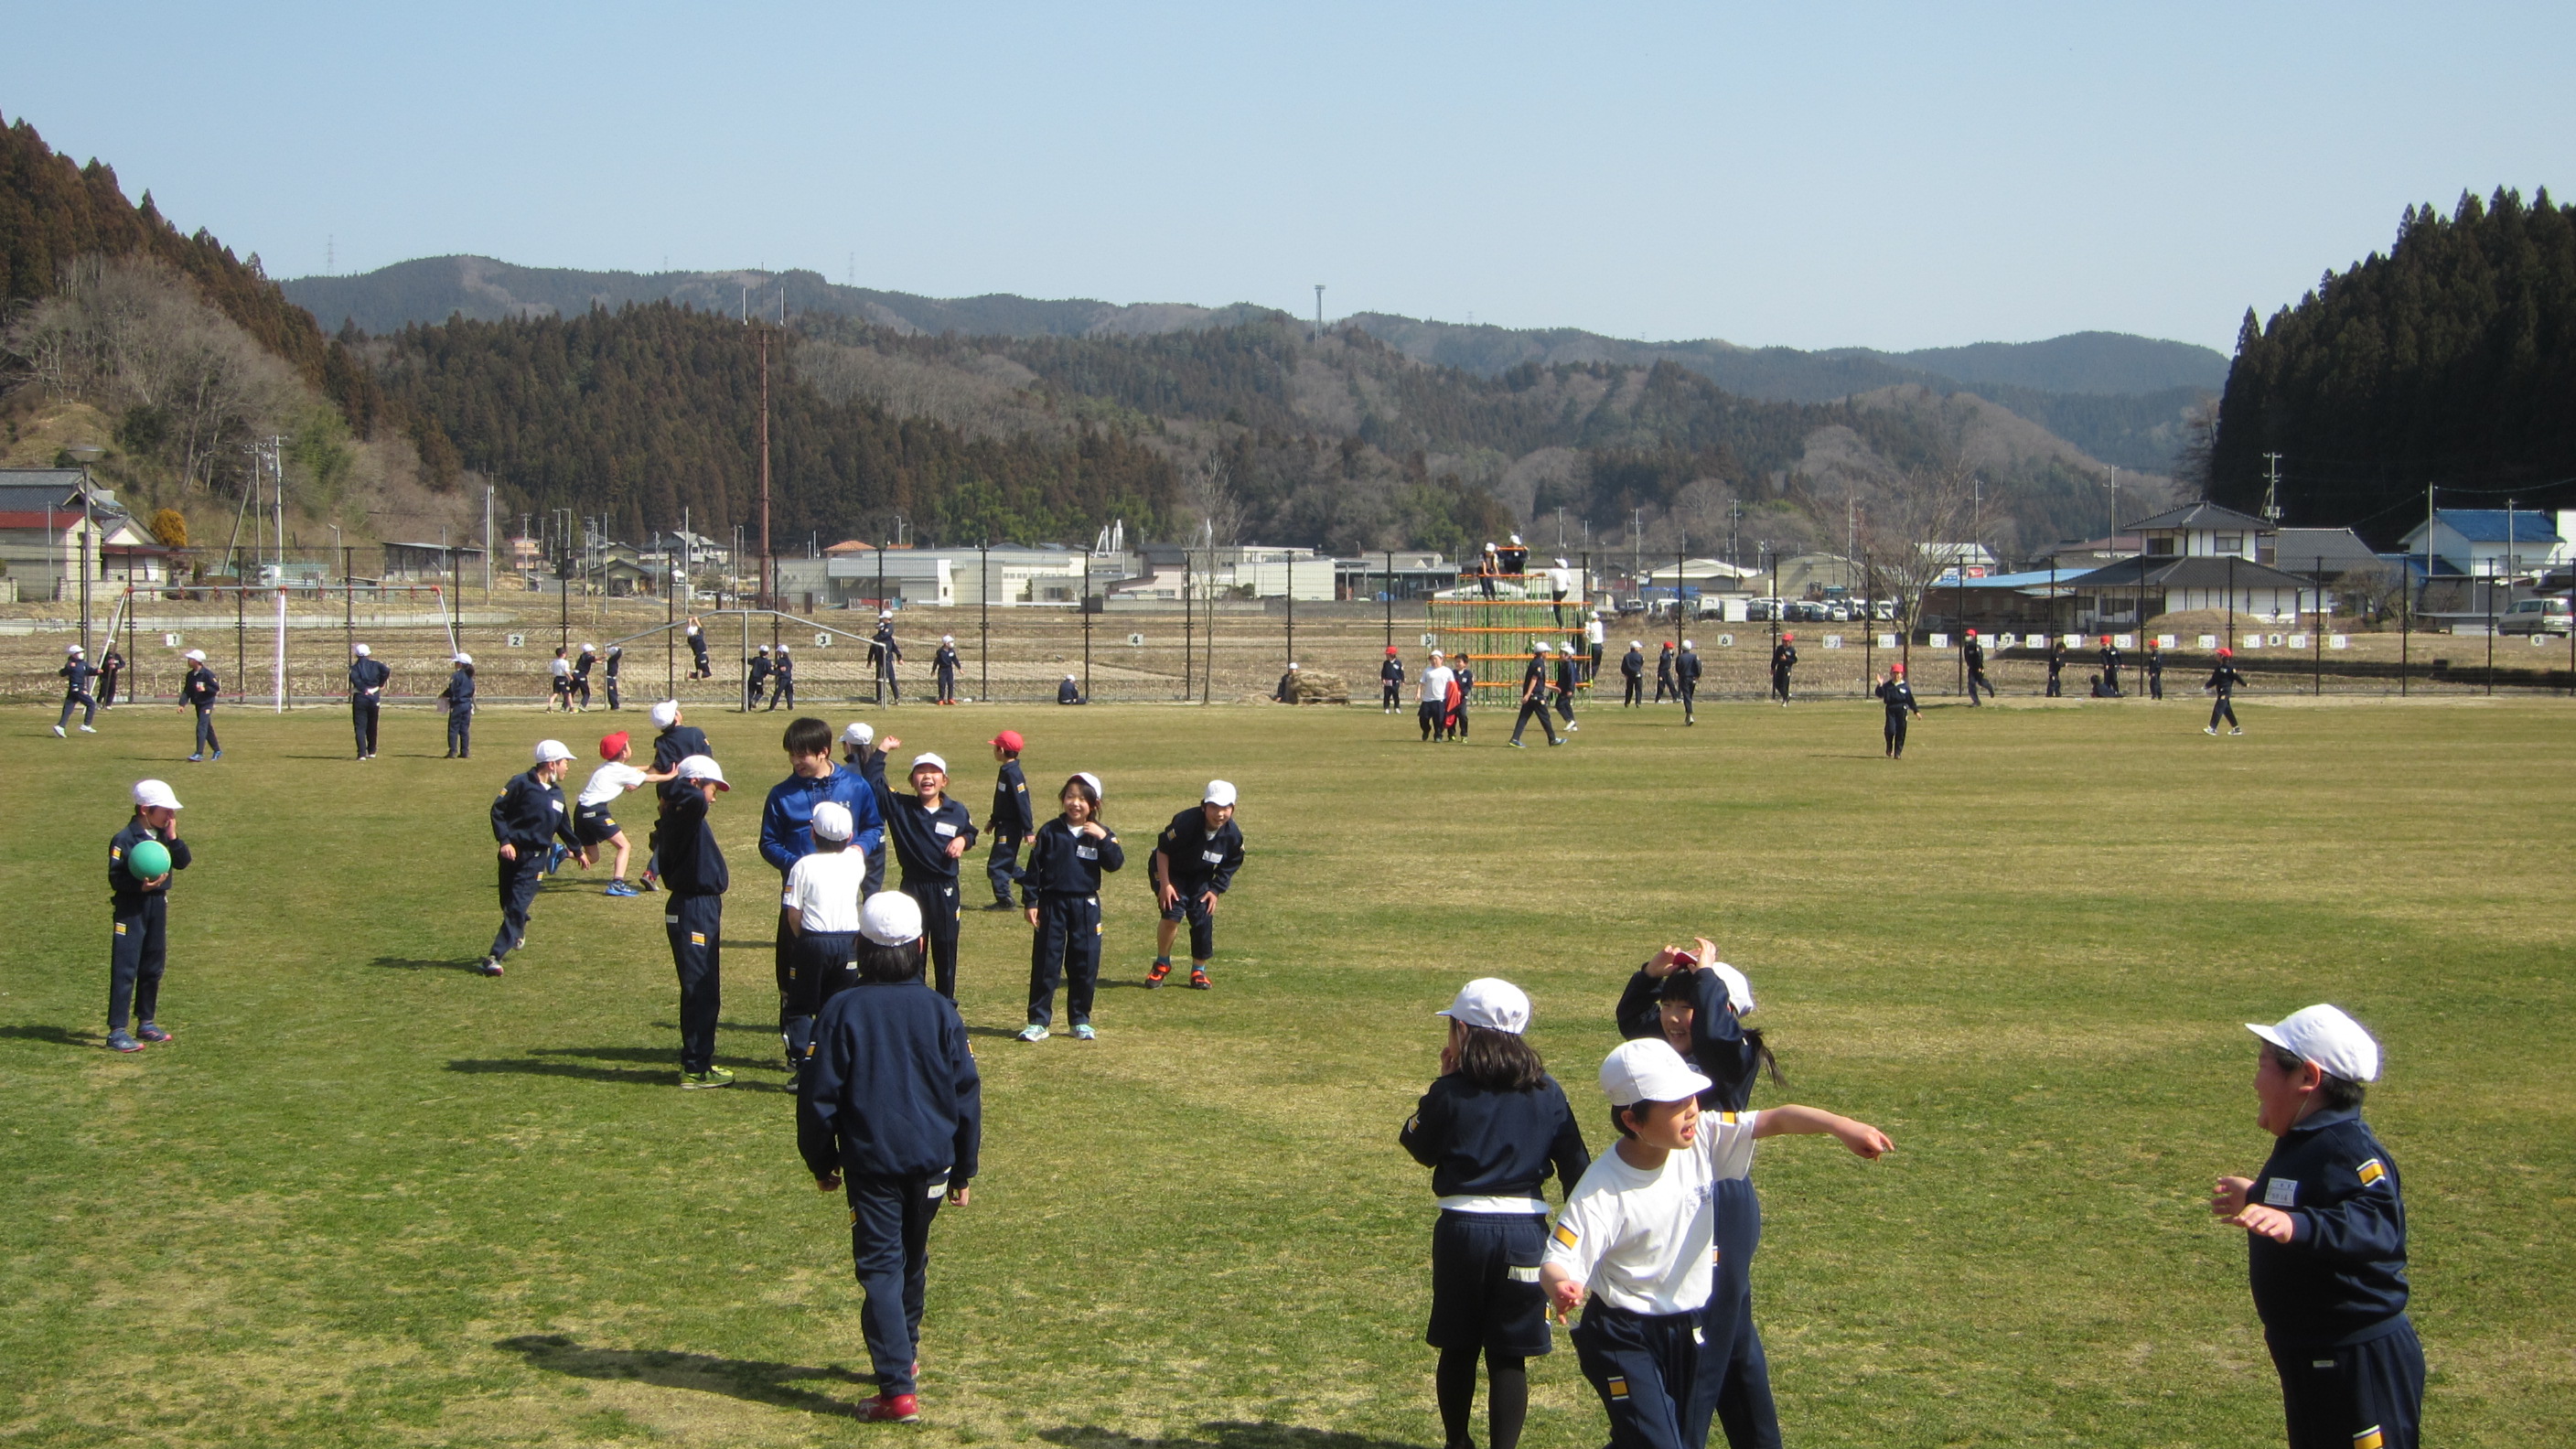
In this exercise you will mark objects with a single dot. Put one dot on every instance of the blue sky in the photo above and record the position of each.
(1808, 176)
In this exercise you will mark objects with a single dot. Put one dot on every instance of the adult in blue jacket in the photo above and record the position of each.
(889, 1112)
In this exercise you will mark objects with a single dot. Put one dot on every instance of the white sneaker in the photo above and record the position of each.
(1034, 1032)
(58, 733)
(1085, 1033)
(89, 729)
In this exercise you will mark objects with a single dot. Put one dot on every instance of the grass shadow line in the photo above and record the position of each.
(617, 1076)
(647, 1055)
(417, 963)
(44, 1031)
(1222, 1434)
(755, 1380)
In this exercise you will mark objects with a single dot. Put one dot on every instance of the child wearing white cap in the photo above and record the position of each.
(1492, 1128)
(699, 667)
(674, 740)
(782, 680)
(889, 1112)
(945, 663)
(859, 751)
(822, 896)
(1686, 670)
(1534, 696)
(367, 679)
(76, 672)
(930, 833)
(527, 816)
(2326, 1241)
(139, 908)
(1061, 892)
(1432, 713)
(885, 653)
(1194, 863)
(1632, 1247)
(694, 871)
(459, 696)
(581, 667)
(1632, 675)
(198, 691)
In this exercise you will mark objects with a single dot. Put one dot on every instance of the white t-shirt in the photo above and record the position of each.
(1560, 581)
(1645, 1241)
(1435, 683)
(1593, 632)
(825, 886)
(608, 782)
(560, 669)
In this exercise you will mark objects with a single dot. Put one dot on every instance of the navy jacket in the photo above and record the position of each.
(1719, 1048)
(1495, 1144)
(787, 817)
(1534, 678)
(1632, 665)
(581, 667)
(1011, 813)
(2110, 657)
(672, 746)
(2056, 658)
(2341, 1279)
(1068, 692)
(1058, 866)
(1975, 654)
(890, 1089)
(1686, 667)
(1186, 847)
(1391, 670)
(124, 891)
(918, 841)
(1664, 664)
(2224, 679)
(459, 693)
(367, 678)
(692, 863)
(1565, 673)
(200, 687)
(1466, 685)
(528, 810)
(1784, 657)
(76, 673)
(887, 651)
(616, 658)
(1898, 696)
(759, 670)
(945, 661)
(785, 668)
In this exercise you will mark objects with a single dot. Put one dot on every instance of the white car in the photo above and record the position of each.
(2535, 616)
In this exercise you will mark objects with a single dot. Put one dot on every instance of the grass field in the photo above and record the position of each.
(369, 1198)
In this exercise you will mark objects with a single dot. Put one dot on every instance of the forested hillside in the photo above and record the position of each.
(2450, 360)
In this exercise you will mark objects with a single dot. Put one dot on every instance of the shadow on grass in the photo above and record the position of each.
(1223, 1434)
(765, 1030)
(751, 1379)
(666, 1055)
(417, 963)
(662, 1078)
(58, 1035)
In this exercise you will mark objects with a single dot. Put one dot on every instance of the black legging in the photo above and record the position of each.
(1895, 733)
(1506, 1402)
(2226, 708)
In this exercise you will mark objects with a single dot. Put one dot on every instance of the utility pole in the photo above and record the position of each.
(2272, 488)
(487, 547)
(768, 561)
(1319, 309)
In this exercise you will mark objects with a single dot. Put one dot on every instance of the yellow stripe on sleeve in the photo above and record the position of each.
(2371, 1172)
(1566, 1235)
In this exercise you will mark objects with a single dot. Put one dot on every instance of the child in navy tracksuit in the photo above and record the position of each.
(1697, 1004)
(889, 1111)
(139, 933)
(527, 817)
(2326, 1241)
(1061, 892)
(930, 833)
(1491, 1129)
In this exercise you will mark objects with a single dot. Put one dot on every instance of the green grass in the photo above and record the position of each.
(368, 1198)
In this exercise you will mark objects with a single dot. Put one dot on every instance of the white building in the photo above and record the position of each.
(861, 576)
(2490, 542)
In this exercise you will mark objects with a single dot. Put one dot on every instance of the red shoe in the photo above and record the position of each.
(1198, 979)
(893, 1409)
(1161, 969)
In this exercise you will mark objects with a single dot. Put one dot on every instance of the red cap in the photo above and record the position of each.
(1788, 638)
(1009, 740)
(1390, 649)
(1896, 669)
(1972, 633)
(2226, 653)
(611, 746)
(2106, 638)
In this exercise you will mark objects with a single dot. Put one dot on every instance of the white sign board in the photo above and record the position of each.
(1430, 641)
(2297, 641)
(2537, 640)
(2124, 641)
(518, 641)
(2338, 641)
(2003, 641)
(2273, 640)
(1940, 641)
(1833, 641)
(1136, 639)
(2208, 641)
(2074, 641)
(171, 641)
(1725, 641)
(2165, 641)
(822, 639)
(2253, 641)
(1886, 641)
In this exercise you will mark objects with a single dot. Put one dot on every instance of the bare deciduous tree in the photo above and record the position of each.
(1210, 490)
(1929, 507)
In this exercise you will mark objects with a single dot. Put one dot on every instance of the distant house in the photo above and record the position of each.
(431, 563)
(2322, 555)
(2205, 530)
(42, 527)
(2488, 542)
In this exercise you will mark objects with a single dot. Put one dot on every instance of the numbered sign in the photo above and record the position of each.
(2253, 641)
(2342, 641)
(2208, 641)
(2274, 640)
(1939, 641)
(2165, 641)
(2124, 641)
(2074, 641)
(1886, 641)
(2537, 640)
(822, 639)
(1430, 641)
(518, 641)
(1137, 640)
(169, 641)
(2003, 641)
(2298, 641)
(1833, 641)
(1727, 641)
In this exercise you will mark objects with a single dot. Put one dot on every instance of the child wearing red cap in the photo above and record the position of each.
(1898, 696)
(592, 823)
(1784, 657)
(1390, 681)
(1012, 820)
(2110, 657)
(2224, 682)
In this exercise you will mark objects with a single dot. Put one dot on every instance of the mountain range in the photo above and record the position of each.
(2121, 399)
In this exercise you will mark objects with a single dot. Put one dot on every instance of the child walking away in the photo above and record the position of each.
(140, 860)
(889, 1112)
(1686, 671)
(1898, 698)
(1632, 1247)
(1491, 1129)
(2326, 1241)
(2224, 681)
(367, 679)
(1697, 1004)
(198, 692)
(616, 661)
(822, 899)
(76, 672)
(1012, 819)
(527, 817)
(459, 695)
(930, 834)
(592, 823)
(1061, 893)
(1193, 864)
(693, 866)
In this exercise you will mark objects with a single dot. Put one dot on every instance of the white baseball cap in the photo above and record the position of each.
(461, 657)
(890, 918)
(156, 794)
(1560, 563)
(928, 761)
(1636, 643)
(2324, 1035)
(1218, 792)
(885, 613)
(74, 649)
(549, 751)
(666, 714)
(947, 638)
(1686, 644)
(703, 767)
(1649, 1070)
(859, 732)
(198, 655)
(362, 651)
(832, 820)
(1292, 663)
(764, 648)
(1088, 778)
(1544, 647)
(590, 649)
(1739, 992)
(782, 648)
(1490, 1001)
(1436, 654)
(1515, 538)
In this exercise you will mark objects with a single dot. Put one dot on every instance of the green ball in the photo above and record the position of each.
(148, 859)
